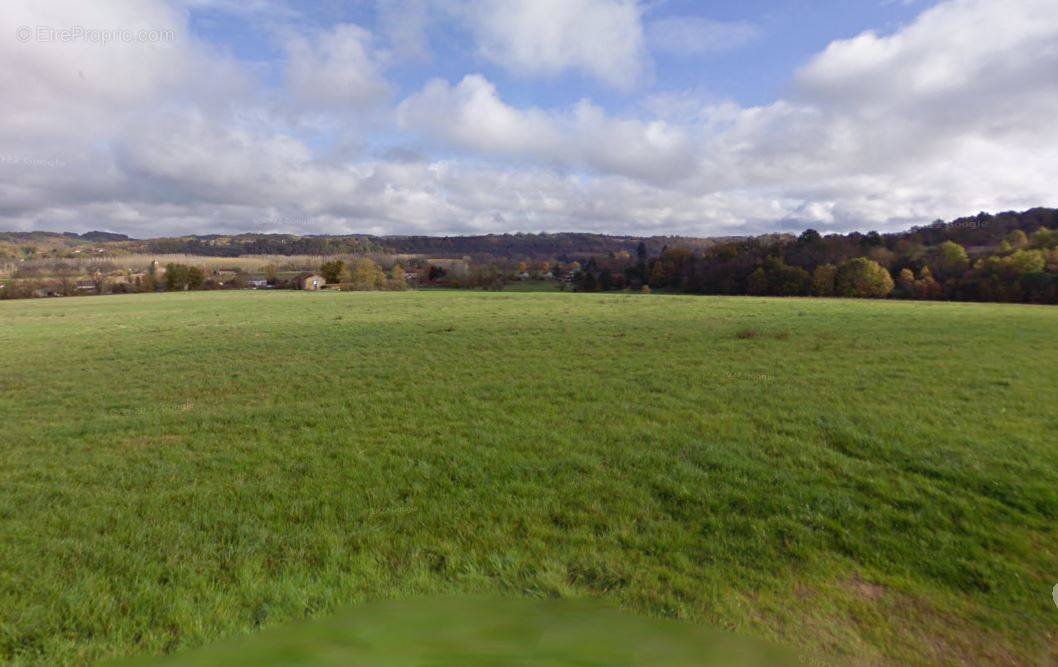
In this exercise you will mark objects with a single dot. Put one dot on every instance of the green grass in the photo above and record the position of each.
(481, 633)
(534, 286)
(876, 481)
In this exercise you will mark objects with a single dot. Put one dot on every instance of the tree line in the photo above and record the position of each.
(1012, 257)
(1005, 257)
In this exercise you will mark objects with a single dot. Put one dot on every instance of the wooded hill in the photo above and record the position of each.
(980, 231)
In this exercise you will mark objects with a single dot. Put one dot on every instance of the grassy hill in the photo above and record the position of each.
(877, 481)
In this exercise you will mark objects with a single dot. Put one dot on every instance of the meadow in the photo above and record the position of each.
(867, 482)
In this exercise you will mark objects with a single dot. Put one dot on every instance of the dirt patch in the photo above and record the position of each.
(952, 639)
(865, 590)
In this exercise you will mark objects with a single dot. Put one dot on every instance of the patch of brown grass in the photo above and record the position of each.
(865, 590)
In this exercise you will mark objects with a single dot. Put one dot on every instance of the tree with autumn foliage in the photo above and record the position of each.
(863, 278)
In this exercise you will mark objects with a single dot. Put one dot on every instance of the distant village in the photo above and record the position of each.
(100, 275)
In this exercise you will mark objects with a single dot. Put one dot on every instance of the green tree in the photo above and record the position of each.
(905, 283)
(175, 277)
(1045, 238)
(397, 279)
(1016, 239)
(757, 282)
(786, 280)
(195, 277)
(1026, 261)
(926, 287)
(882, 255)
(334, 271)
(949, 259)
(364, 274)
(823, 280)
(863, 278)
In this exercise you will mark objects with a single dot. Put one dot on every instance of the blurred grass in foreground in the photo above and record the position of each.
(479, 632)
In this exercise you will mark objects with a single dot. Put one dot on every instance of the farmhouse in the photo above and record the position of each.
(309, 281)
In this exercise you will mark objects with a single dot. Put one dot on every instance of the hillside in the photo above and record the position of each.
(982, 230)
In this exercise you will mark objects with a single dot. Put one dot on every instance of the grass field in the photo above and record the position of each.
(875, 481)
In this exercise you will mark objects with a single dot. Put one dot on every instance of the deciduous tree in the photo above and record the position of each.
(864, 279)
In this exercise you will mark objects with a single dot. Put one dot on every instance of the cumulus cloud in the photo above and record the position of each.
(471, 116)
(950, 114)
(46, 82)
(334, 70)
(599, 38)
(954, 111)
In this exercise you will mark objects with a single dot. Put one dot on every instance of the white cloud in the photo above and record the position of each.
(41, 78)
(472, 117)
(600, 38)
(405, 24)
(334, 70)
(68, 100)
(951, 114)
(695, 36)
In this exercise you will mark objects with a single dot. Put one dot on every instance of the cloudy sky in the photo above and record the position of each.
(700, 117)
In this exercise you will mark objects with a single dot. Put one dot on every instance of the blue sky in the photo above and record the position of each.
(472, 116)
(787, 33)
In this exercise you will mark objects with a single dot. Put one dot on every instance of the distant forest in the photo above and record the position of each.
(563, 246)
(1005, 257)
(977, 232)
(494, 246)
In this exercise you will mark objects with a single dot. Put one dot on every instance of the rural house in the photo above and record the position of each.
(309, 281)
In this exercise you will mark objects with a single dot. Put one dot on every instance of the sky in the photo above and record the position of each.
(688, 117)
